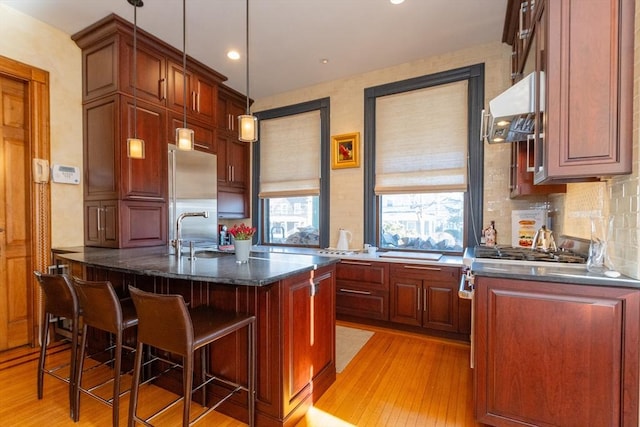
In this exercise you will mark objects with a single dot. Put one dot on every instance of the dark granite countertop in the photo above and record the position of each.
(262, 268)
(560, 273)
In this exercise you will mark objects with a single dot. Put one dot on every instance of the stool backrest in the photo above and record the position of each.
(163, 321)
(99, 304)
(60, 298)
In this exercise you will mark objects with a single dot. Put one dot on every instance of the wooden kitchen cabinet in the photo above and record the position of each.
(230, 105)
(555, 354)
(585, 68)
(136, 188)
(233, 157)
(424, 295)
(116, 187)
(362, 289)
(521, 177)
(202, 94)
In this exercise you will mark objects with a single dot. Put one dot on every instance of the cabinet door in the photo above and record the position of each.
(555, 354)
(406, 300)
(101, 148)
(175, 89)
(144, 178)
(101, 224)
(238, 159)
(229, 108)
(440, 305)
(587, 127)
(150, 81)
(205, 100)
(297, 339)
(324, 320)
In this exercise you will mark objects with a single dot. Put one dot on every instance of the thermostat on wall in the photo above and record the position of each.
(65, 174)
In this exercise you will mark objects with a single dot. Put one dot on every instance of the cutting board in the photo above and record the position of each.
(411, 255)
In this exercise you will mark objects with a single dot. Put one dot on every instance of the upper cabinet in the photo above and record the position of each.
(126, 199)
(201, 94)
(583, 55)
(233, 156)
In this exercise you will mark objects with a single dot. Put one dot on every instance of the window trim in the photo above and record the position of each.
(323, 105)
(474, 74)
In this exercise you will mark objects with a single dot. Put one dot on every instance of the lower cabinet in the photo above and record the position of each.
(555, 354)
(362, 289)
(125, 223)
(426, 296)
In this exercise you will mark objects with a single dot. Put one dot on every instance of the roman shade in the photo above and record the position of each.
(290, 156)
(421, 140)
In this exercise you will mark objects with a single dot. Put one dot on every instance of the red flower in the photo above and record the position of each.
(242, 232)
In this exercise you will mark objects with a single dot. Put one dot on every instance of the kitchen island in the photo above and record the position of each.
(293, 298)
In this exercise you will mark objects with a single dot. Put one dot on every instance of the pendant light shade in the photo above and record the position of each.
(135, 145)
(185, 137)
(135, 148)
(248, 128)
(247, 124)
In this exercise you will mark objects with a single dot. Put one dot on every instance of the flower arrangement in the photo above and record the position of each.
(242, 232)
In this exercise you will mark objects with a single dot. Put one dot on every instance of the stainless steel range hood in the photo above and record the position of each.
(511, 114)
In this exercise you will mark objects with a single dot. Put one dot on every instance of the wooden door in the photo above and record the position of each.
(15, 226)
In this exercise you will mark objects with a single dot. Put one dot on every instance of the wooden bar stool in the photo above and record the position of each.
(167, 324)
(60, 300)
(102, 309)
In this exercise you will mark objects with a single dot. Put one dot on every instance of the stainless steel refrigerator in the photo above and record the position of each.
(193, 188)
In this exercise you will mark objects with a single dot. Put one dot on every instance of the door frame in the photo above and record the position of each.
(37, 83)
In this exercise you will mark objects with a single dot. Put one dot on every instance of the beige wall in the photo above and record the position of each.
(29, 41)
(347, 112)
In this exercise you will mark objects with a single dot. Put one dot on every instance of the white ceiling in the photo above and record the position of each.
(289, 38)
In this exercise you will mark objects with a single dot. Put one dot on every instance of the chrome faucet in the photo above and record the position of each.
(177, 242)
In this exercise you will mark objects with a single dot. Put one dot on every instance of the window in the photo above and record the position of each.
(423, 169)
(291, 175)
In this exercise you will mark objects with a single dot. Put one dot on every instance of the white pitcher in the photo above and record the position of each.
(343, 240)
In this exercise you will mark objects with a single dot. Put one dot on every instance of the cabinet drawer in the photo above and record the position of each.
(373, 275)
(430, 272)
(361, 302)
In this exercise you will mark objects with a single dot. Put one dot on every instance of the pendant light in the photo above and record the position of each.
(135, 145)
(184, 136)
(247, 124)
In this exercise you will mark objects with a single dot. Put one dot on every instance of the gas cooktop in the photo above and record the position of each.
(527, 254)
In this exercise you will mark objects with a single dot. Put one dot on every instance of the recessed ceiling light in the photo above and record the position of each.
(396, 1)
(324, 61)
(233, 55)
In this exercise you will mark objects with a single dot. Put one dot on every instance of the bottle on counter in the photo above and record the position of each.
(490, 235)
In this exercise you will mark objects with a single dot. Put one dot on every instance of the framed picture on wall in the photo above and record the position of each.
(345, 151)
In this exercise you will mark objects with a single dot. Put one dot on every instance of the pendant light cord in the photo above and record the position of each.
(184, 62)
(135, 71)
(247, 50)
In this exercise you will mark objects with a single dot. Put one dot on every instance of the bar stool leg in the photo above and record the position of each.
(135, 383)
(187, 381)
(78, 376)
(115, 405)
(44, 338)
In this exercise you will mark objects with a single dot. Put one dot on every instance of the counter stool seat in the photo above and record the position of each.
(60, 300)
(102, 309)
(167, 324)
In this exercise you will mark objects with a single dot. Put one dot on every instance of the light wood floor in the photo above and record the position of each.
(398, 379)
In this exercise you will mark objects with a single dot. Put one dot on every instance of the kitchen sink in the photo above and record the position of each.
(210, 254)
